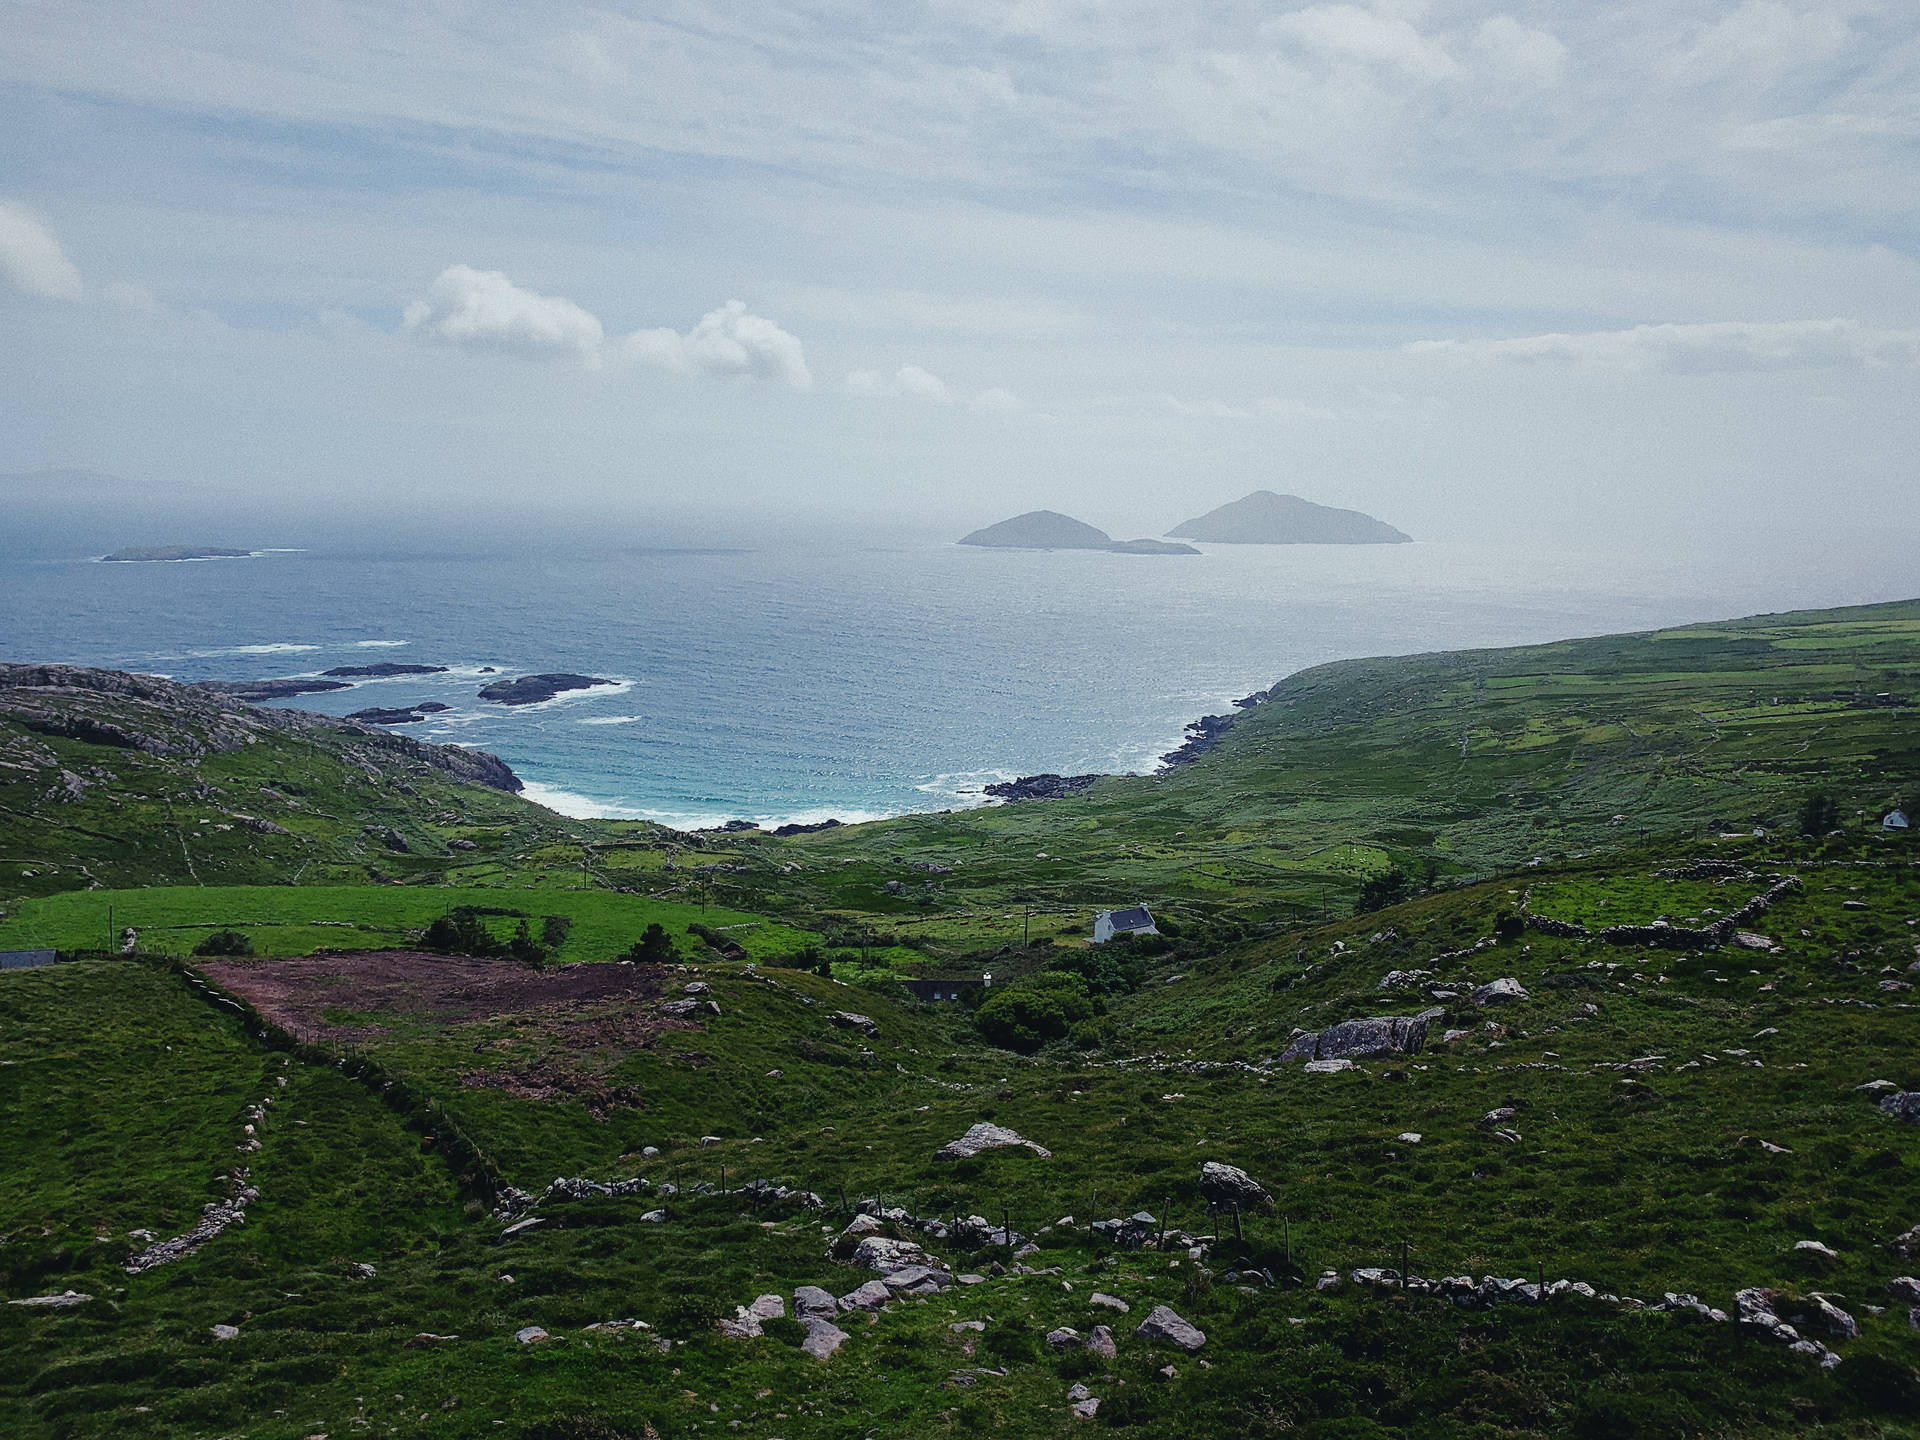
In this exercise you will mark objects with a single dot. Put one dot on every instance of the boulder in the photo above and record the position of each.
(1114, 1302)
(65, 1300)
(1902, 1105)
(743, 1326)
(1901, 1287)
(1327, 1067)
(870, 1296)
(1100, 1342)
(986, 1136)
(1164, 1327)
(1086, 1409)
(1499, 992)
(851, 1020)
(1380, 1035)
(882, 1253)
(1833, 1319)
(1064, 1339)
(1815, 1250)
(810, 1302)
(1230, 1185)
(823, 1338)
(226, 1332)
(530, 1335)
(768, 1307)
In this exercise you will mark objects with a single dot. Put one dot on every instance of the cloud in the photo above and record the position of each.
(1720, 346)
(1352, 34)
(1536, 56)
(908, 380)
(484, 310)
(32, 259)
(914, 383)
(730, 341)
(1266, 407)
(1760, 42)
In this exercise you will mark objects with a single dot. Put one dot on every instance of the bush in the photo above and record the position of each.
(654, 947)
(554, 930)
(462, 932)
(224, 942)
(1026, 1016)
(1819, 813)
(1383, 890)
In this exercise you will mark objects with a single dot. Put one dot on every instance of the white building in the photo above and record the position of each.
(1109, 923)
(1896, 819)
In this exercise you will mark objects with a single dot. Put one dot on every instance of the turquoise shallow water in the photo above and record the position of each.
(851, 678)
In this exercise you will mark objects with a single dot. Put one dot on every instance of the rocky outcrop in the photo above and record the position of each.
(1229, 1185)
(257, 690)
(398, 715)
(1163, 1327)
(986, 1136)
(1902, 1105)
(785, 830)
(386, 669)
(1381, 1035)
(537, 689)
(1202, 735)
(1041, 787)
(1503, 991)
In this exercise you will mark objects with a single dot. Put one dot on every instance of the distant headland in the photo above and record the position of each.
(177, 552)
(1264, 518)
(1050, 530)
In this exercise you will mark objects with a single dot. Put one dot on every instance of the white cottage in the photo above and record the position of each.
(1895, 819)
(1109, 923)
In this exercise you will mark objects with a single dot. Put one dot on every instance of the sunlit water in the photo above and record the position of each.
(797, 682)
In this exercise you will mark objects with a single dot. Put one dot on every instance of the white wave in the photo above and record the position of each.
(578, 807)
(381, 644)
(280, 648)
(964, 789)
(585, 807)
(592, 692)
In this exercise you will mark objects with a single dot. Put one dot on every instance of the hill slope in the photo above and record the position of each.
(1040, 530)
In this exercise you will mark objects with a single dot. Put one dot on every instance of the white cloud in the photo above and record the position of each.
(1266, 407)
(908, 380)
(32, 259)
(1350, 33)
(996, 401)
(1759, 42)
(730, 341)
(484, 310)
(1536, 56)
(1695, 349)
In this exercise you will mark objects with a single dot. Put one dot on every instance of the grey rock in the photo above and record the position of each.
(1230, 1185)
(882, 1253)
(870, 1296)
(1902, 1105)
(1163, 1325)
(226, 1332)
(1358, 1039)
(1328, 1067)
(530, 1335)
(1064, 1339)
(65, 1300)
(1100, 1342)
(1114, 1302)
(1499, 992)
(1086, 1409)
(810, 1302)
(768, 1307)
(1833, 1319)
(852, 1020)
(1077, 1392)
(1901, 1287)
(823, 1338)
(986, 1136)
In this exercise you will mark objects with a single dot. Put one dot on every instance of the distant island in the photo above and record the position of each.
(533, 689)
(1050, 530)
(177, 552)
(399, 715)
(1264, 518)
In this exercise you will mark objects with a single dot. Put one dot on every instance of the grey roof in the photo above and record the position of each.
(25, 959)
(1135, 919)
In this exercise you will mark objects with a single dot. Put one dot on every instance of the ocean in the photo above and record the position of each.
(802, 678)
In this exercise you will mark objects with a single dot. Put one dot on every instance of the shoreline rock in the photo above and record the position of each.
(537, 689)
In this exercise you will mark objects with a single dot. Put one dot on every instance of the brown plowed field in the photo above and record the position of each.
(296, 994)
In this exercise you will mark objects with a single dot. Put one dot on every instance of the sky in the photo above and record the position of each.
(1485, 268)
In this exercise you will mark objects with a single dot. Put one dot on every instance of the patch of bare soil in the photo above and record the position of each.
(450, 989)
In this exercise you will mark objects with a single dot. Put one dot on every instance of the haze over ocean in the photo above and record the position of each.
(853, 677)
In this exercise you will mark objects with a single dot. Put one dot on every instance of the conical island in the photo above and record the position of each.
(1264, 518)
(1050, 530)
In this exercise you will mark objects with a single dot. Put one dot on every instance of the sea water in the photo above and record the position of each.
(844, 676)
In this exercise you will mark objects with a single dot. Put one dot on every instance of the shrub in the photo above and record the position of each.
(225, 942)
(1819, 813)
(654, 947)
(554, 930)
(1381, 891)
(1026, 1016)
(462, 932)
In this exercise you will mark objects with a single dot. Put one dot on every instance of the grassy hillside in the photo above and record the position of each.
(1648, 1118)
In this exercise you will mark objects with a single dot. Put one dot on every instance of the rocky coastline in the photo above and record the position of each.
(537, 689)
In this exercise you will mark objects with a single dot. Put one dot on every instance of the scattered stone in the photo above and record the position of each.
(1815, 1248)
(870, 1296)
(810, 1302)
(362, 1271)
(986, 1136)
(1114, 1302)
(1499, 992)
(226, 1332)
(1230, 1185)
(1162, 1324)
(1100, 1342)
(823, 1338)
(1329, 1280)
(852, 1020)
(960, 1327)
(1327, 1067)
(768, 1307)
(531, 1335)
(653, 1217)
(1408, 1137)
(1901, 1287)
(879, 1252)
(1064, 1339)
(1086, 1409)
(1837, 1321)
(65, 1300)
(1903, 1105)
(1078, 1391)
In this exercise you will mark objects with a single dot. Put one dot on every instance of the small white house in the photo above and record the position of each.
(1109, 923)
(1896, 819)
